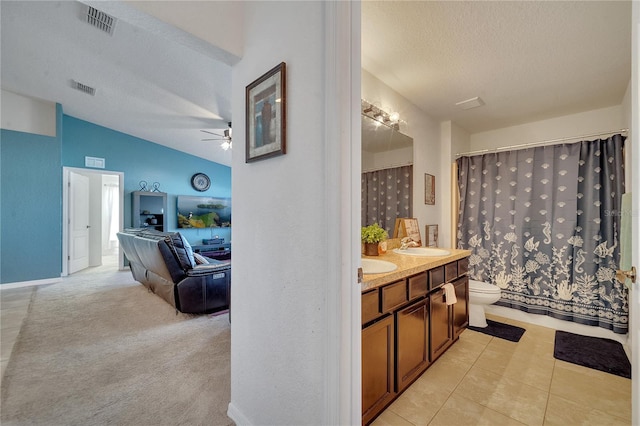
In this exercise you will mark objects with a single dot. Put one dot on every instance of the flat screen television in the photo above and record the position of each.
(203, 212)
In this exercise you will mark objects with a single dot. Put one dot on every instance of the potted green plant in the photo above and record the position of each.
(371, 236)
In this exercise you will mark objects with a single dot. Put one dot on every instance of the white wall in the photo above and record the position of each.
(283, 283)
(425, 132)
(627, 120)
(110, 209)
(29, 115)
(589, 122)
(453, 139)
(95, 218)
(388, 159)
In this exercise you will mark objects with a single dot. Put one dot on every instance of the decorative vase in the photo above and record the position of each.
(371, 249)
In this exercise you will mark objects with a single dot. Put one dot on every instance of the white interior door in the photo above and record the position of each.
(78, 222)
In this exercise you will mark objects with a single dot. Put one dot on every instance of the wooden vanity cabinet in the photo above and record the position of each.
(436, 277)
(370, 306)
(440, 329)
(461, 307)
(407, 325)
(412, 342)
(378, 364)
(394, 295)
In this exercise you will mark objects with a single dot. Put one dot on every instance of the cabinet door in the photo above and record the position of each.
(370, 306)
(439, 324)
(377, 367)
(412, 342)
(461, 308)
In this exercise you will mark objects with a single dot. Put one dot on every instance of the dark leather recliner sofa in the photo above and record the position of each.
(165, 264)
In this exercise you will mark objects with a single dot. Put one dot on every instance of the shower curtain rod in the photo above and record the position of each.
(542, 143)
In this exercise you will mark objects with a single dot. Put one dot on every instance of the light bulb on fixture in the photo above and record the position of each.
(225, 145)
(394, 117)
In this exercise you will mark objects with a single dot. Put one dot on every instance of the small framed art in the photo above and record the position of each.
(266, 115)
(431, 235)
(429, 189)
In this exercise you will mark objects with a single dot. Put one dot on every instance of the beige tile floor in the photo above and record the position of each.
(484, 380)
(481, 380)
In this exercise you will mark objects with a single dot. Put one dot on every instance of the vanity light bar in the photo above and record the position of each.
(392, 120)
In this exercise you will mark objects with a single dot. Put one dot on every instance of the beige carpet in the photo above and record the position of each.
(99, 349)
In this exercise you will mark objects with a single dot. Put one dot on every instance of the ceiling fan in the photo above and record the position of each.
(225, 138)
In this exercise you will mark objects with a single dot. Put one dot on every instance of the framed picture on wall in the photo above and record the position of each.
(431, 235)
(429, 189)
(266, 115)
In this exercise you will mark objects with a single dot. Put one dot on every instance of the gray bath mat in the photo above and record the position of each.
(592, 352)
(503, 331)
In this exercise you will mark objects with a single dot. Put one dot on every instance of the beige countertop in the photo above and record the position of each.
(407, 266)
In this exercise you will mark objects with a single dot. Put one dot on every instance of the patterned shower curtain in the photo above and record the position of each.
(386, 195)
(542, 224)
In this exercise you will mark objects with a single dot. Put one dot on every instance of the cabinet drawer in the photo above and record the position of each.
(436, 277)
(463, 266)
(417, 286)
(450, 271)
(370, 306)
(394, 295)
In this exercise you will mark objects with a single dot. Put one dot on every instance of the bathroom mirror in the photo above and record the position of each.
(385, 144)
(385, 148)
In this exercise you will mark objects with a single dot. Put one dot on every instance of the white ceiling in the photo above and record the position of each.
(152, 81)
(527, 60)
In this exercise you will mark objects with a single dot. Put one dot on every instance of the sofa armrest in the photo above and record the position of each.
(205, 289)
(206, 269)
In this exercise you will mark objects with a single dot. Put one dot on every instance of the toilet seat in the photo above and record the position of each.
(483, 288)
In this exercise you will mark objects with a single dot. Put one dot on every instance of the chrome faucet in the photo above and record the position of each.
(407, 242)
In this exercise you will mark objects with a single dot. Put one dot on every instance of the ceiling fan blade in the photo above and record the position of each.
(214, 139)
(211, 133)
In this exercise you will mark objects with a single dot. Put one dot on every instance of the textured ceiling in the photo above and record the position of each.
(528, 60)
(152, 81)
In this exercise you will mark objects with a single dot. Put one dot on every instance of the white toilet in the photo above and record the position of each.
(481, 294)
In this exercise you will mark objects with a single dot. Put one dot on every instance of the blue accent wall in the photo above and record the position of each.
(31, 207)
(31, 188)
(141, 160)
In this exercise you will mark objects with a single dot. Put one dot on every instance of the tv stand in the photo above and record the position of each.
(215, 251)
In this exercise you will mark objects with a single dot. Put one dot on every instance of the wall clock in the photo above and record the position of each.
(200, 182)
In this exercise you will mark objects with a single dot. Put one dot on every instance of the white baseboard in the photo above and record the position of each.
(8, 286)
(236, 415)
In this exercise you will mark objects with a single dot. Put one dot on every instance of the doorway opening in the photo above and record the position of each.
(92, 214)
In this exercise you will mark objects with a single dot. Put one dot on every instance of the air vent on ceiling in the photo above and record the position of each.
(470, 103)
(84, 88)
(100, 20)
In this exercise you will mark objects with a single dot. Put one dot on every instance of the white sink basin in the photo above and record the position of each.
(374, 266)
(423, 251)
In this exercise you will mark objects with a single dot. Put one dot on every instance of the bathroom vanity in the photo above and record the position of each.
(407, 323)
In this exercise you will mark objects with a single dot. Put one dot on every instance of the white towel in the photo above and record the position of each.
(449, 294)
